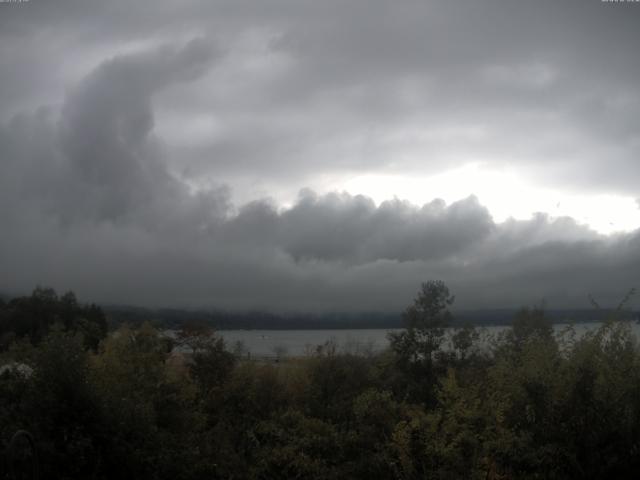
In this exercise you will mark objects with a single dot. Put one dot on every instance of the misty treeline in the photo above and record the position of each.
(173, 319)
(529, 404)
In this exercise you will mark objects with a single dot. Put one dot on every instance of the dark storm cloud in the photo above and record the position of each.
(124, 141)
(352, 230)
(106, 122)
(311, 88)
(341, 227)
(550, 88)
(98, 160)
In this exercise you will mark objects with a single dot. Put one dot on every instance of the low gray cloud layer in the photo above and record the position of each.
(123, 161)
(549, 88)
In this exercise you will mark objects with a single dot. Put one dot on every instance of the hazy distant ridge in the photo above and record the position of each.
(221, 320)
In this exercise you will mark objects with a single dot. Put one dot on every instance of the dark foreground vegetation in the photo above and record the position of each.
(129, 405)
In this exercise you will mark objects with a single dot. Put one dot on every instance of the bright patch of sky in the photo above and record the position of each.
(505, 194)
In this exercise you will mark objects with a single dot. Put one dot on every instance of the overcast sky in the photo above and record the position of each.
(304, 155)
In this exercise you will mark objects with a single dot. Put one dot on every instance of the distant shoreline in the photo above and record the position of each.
(221, 320)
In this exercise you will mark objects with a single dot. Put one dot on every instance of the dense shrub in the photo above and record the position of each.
(530, 404)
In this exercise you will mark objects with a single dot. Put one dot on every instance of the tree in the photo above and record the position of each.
(415, 348)
(212, 364)
(32, 317)
(425, 321)
(530, 324)
(62, 407)
(139, 402)
(463, 340)
(195, 336)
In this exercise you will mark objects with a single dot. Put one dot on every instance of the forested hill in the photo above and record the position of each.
(171, 318)
(222, 320)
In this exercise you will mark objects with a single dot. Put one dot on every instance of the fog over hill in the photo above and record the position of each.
(174, 319)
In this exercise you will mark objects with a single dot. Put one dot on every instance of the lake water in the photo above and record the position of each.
(301, 342)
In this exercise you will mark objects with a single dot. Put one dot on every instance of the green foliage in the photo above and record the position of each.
(534, 404)
(334, 381)
(417, 347)
(529, 324)
(32, 317)
(425, 321)
(463, 341)
(293, 445)
(195, 336)
(60, 406)
(211, 365)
